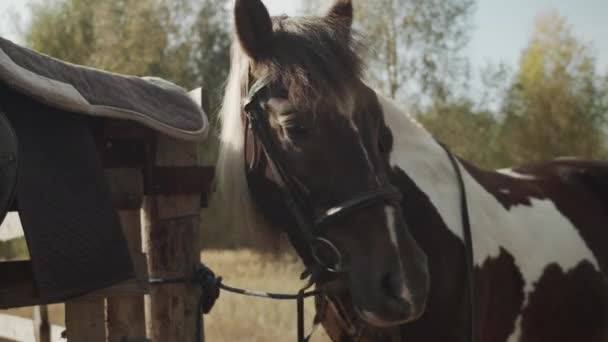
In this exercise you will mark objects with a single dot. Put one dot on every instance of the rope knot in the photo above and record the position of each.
(210, 287)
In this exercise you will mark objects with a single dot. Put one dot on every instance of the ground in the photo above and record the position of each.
(237, 318)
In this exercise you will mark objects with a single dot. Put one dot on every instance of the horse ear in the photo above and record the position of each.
(342, 10)
(253, 27)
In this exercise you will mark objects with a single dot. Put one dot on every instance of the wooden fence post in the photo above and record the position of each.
(172, 233)
(126, 314)
(42, 327)
(85, 320)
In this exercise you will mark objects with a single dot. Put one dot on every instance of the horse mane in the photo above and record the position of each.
(232, 190)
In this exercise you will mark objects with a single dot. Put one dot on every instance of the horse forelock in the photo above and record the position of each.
(314, 58)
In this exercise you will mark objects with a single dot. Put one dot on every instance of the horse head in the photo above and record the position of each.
(304, 144)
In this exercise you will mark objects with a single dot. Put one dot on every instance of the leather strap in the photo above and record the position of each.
(468, 246)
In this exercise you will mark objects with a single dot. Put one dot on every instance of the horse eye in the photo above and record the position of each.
(296, 132)
(294, 129)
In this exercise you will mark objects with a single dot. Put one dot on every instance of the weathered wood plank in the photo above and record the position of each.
(85, 320)
(172, 243)
(22, 330)
(126, 314)
(178, 180)
(127, 189)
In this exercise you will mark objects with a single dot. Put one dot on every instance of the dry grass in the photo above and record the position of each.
(237, 318)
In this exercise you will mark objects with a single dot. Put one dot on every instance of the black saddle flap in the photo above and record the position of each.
(73, 232)
(8, 164)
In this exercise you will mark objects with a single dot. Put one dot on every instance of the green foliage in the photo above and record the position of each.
(61, 29)
(211, 47)
(556, 105)
(184, 41)
(15, 249)
(469, 134)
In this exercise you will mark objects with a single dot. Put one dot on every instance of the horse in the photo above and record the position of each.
(373, 204)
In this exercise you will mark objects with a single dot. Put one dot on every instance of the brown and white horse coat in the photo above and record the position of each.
(539, 235)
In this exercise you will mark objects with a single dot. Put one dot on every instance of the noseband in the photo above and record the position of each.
(319, 253)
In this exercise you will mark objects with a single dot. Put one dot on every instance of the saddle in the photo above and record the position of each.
(8, 165)
(51, 168)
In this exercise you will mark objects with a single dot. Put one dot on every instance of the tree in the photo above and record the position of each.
(414, 46)
(556, 105)
(211, 51)
(184, 41)
(62, 29)
(470, 134)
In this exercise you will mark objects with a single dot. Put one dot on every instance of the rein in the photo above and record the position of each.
(211, 285)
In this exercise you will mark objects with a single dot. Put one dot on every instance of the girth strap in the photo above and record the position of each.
(468, 246)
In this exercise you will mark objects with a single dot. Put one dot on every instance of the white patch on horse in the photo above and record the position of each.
(514, 337)
(390, 223)
(535, 235)
(513, 174)
(390, 220)
(392, 231)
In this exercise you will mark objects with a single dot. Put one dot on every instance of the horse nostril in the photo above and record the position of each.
(391, 286)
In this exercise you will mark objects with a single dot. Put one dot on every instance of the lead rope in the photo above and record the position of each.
(211, 285)
(466, 228)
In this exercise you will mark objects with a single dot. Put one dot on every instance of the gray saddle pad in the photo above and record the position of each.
(8, 164)
(72, 230)
(153, 102)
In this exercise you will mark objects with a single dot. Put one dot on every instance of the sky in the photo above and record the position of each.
(502, 28)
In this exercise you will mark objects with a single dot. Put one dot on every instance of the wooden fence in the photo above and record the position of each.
(158, 197)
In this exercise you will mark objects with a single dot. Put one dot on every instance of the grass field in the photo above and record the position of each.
(237, 318)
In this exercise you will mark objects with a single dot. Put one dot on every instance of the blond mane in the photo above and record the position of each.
(232, 191)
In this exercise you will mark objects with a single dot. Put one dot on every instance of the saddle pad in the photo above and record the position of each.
(72, 230)
(8, 164)
(153, 102)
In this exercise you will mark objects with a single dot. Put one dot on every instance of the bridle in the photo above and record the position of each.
(323, 260)
(321, 256)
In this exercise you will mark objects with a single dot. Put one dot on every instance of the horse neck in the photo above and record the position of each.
(432, 208)
(419, 157)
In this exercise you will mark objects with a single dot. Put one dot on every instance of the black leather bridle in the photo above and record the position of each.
(310, 229)
(320, 254)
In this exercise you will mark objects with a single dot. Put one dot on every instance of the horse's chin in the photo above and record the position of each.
(378, 322)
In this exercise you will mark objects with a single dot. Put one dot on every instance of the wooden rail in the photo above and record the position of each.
(23, 329)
